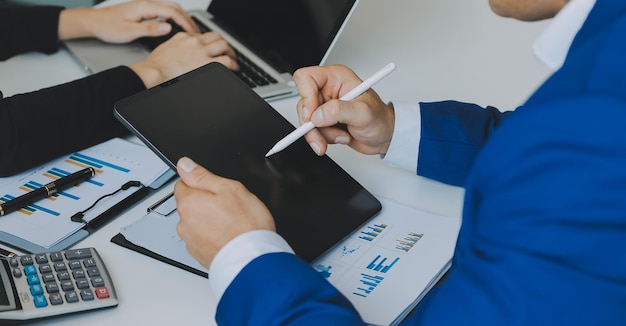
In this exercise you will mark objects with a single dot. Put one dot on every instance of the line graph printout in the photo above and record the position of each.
(47, 221)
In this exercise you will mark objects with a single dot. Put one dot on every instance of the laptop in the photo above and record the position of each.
(213, 117)
(272, 39)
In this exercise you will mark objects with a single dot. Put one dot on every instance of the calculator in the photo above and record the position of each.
(35, 286)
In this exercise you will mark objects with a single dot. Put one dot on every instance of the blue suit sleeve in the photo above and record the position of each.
(543, 235)
(453, 133)
(281, 289)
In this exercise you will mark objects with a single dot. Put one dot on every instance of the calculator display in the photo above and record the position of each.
(7, 301)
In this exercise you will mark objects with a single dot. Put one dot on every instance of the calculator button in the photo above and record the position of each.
(63, 276)
(82, 284)
(13, 262)
(41, 258)
(56, 256)
(75, 265)
(45, 268)
(56, 299)
(77, 254)
(86, 295)
(26, 260)
(52, 288)
(36, 289)
(67, 286)
(97, 281)
(17, 273)
(89, 262)
(78, 274)
(102, 292)
(40, 301)
(48, 278)
(32, 279)
(30, 270)
(93, 272)
(60, 267)
(71, 297)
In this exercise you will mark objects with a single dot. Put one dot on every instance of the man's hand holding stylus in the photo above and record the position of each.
(365, 123)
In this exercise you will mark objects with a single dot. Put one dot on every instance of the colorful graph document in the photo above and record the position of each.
(387, 267)
(47, 222)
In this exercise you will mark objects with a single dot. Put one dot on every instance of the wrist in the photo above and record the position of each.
(390, 121)
(75, 23)
(149, 75)
(240, 251)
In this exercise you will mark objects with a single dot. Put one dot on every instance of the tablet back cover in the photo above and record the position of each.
(211, 116)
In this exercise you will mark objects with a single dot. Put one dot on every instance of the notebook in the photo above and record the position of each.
(214, 118)
(273, 37)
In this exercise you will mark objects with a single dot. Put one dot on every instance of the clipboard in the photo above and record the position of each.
(163, 209)
(89, 228)
(46, 225)
(120, 240)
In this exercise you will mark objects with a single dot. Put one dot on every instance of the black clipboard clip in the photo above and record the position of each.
(113, 210)
(164, 206)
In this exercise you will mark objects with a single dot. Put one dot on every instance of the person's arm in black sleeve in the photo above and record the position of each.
(43, 125)
(28, 28)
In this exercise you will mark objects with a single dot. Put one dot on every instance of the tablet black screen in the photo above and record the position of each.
(211, 116)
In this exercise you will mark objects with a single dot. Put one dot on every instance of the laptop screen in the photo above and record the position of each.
(288, 34)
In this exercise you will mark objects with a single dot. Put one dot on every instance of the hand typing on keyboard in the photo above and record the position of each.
(151, 42)
(181, 53)
(249, 72)
(123, 22)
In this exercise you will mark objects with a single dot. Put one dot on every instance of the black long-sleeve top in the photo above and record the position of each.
(39, 126)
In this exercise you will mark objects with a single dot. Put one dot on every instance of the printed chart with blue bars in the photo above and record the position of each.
(385, 267)
(378, 247)
(47, 221)
(74, 162)
(368, 284)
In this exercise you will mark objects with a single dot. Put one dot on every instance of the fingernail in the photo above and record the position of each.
(317, 117)
(315, 147)
(165, 28)
(186, 164)
(342, 140)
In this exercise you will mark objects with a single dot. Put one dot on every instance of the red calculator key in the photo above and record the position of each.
(102, 292)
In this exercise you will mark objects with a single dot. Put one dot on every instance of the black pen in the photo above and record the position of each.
(6, 254)
(46, 191)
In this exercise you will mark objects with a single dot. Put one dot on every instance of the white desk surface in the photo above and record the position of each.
(443, 49)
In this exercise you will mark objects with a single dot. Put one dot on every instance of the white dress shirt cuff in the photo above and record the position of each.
(240, 251)
(404, 146)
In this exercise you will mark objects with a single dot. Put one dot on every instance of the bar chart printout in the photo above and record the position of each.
(406, 243)
(372, 231)
(381, 264)
(47, 222)
(368, 284)
(388, 265)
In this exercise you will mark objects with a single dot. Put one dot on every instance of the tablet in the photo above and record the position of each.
(214, 118)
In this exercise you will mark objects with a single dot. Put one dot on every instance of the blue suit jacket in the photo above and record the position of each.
(543, 240)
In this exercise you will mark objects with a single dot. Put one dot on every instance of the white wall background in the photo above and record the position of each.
(444, 49)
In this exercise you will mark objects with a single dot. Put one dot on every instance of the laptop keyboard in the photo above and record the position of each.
(249, 72)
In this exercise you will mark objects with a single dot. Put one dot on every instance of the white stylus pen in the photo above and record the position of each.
(349, 96)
